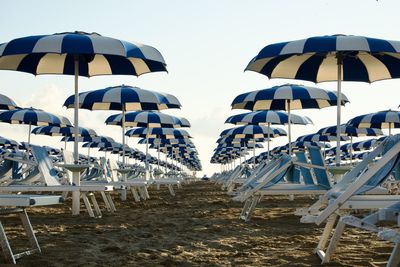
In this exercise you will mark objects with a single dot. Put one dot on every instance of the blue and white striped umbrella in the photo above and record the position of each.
(168, 133)
(330, 58)
(266, 117)
(351, 131)
(7, 103)
(96, 55)
(360, 146)
(79, 54)
(386, 119)
(31, 116)
(321, 138)
(149, 119)
(166, 141)
(8, 143)
(287, 97)
(252, 131)
(99, 139)
(124, 97)
(221, 140)
(63, 131)
(315, 59)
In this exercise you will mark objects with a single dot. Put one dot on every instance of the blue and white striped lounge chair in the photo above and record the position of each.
(358, 189)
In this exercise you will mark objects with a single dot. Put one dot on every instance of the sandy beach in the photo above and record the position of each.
(198, 227)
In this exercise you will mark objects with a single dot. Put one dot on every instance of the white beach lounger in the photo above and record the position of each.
(358, 189)
(50, 178)
(17, 204)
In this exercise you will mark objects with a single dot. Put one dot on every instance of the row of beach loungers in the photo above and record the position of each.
(369, 185)
(37, 178)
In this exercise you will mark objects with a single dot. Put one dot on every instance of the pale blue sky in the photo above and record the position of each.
(206, 45)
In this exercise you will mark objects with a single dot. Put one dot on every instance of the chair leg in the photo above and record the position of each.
(146, 192)
(245, 208)
(141, 193)
(87, 205)
(26, 223)
(122, 194)
(319, 250)
(108, 206)
(96, 205)
(5, 246)
(110, 200)
(334, 241)
(394, 259)
(171, 190)
(135, 194)
(253, 205)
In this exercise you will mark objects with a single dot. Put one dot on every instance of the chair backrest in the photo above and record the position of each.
(284, 159)
(113, 167)
(45, 165)
(321, 174)
(305, 172)
(386, 170)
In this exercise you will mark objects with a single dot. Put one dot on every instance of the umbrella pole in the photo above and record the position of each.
(254, 153)
(269, 127)
(76, 108)
(158, 156)
(351, 150)
(390, 128)
(289, 129)
(65, 143)
(76, 175)
(29, 135)
(166, 162)
(147, 155)
(123, 136)
(339, 101)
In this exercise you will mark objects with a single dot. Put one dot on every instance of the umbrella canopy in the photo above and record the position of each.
(79, 54)
(386, 119)
(320, 138)
(315, 59)
(149, 119)
(252, 131)
(33, 116)
(8, 143)
(63, 131)
(166, 133)
(101, 139)
(7, 103)
(330, 58)
(124, 97)
(266, 117)
(360, 146)
(287, 97)
(96, 55)
(350, 131)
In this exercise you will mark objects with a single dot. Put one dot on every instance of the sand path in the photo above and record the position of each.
(198, 227)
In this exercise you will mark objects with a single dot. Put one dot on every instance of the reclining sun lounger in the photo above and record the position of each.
(17, 204)
(358, 189)
(284, 179)
(51, 184)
